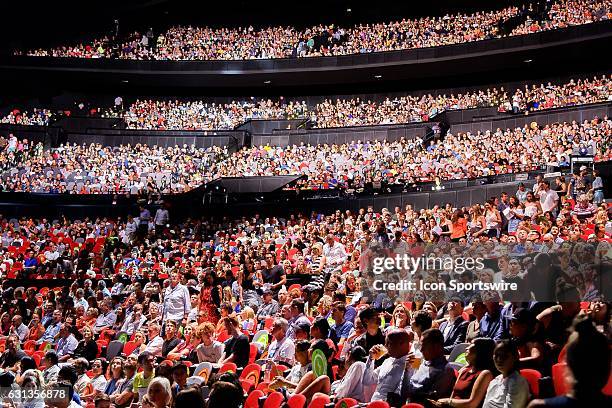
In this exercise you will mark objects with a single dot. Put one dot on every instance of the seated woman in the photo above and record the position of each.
(509, 389)
(473, 380)
(247, 319)
(400, 320)
(140, 341)
(159, 394)
(351, 385)
(310, 384)
(190, 342)
(588, 363)
(299, 369)
(87, 346)
(98, 368)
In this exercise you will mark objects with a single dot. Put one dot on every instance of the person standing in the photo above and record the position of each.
(161, 219)
(177, 302)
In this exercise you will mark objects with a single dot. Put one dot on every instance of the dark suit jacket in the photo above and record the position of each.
(456, 334)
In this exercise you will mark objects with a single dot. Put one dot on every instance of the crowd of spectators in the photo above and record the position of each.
(94, 169)
(26, 166)
(163, 115)
(575, 92)
(566, 14)
(341, 112)
(160, 311)
(244, 43)
(458, 156)
(198, 115)
(37, 117)
(207, 43)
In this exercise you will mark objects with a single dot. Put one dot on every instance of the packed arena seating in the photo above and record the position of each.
(161, 115)
(148, 304)
(95, 169)
(201, 115)
(566, 14)
(458, 269)
(38, 117)
(206, 43)
(180, 115)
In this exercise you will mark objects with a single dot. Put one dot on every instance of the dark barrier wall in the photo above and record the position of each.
(414, 63)
(459, 193)
(36, 133)
(460, 197)
(341, 135)
(506, 121)
(266, 127)
(232, 139)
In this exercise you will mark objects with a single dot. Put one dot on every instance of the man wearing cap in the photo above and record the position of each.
(269, 307)
(454, 327)
(282, 348)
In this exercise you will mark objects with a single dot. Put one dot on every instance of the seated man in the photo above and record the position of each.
(156, 342)
(341, 329)
(388, 377)
(66, 344)
(237, 347)
(282, 348)
(269, 308)
(434, 378)
(454, 328)
(122, 396)
(12, 355)
(52, 329)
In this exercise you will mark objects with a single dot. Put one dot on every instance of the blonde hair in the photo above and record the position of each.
(248, 312)
(206, 328)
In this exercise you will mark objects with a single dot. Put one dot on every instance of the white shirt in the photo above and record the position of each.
(336, 254)
(282, 351)
(155, 346)
(351, 386)
(387, 377)
(548, 200)
(511, 392)
(177, 303)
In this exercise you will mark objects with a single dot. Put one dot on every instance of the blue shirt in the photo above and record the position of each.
(342, 331)
(492, 327)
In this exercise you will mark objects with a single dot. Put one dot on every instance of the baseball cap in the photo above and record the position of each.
(305, 327)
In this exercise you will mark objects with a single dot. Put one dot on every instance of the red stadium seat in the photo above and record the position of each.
(274, 400)
(228, 367)
(413, 405)
(129, 347)
(252, 353)
(247, 385)
(252, 400)
(263, 387)
(251, 372)
(296, 401)
(346, 403)
(533, 378)
(319, 401)
(29, 345)
(378, 404)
